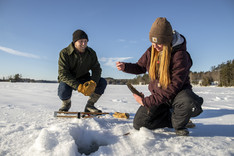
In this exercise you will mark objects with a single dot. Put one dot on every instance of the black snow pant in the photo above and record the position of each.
(175, 113)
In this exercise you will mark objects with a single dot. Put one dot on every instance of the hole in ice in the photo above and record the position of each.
(89, 141)
(91, 148)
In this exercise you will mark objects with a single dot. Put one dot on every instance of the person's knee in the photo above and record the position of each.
(103, 82)
(138, 122)
(136, 126)
(64, 91)
(141, 118)
(101, 86)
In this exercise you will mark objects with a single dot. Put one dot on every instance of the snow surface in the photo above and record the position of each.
(27, 125)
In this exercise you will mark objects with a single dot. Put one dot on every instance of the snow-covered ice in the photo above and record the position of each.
(27, 125)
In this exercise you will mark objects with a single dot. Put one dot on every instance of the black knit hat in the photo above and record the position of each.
(79, 34)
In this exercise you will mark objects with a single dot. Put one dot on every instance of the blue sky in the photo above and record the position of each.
(32, 33)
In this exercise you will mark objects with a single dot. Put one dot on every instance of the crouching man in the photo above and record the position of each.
(75, 62)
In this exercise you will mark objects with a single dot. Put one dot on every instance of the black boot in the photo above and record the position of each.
(66, 105)
(90, 104)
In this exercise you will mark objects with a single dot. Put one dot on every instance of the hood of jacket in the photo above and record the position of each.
(178, 42)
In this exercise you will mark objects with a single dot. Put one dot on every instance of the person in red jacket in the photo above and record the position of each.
(172, 101)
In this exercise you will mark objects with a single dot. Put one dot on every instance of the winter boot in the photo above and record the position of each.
(66, 105)
(190, 124)
(182, 132)
(90, 104)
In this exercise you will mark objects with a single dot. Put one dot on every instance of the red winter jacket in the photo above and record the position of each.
(180, 65)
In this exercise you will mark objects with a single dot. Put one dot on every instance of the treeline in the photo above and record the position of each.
(140, 79)
(14, 78)
(19, 78)
(222, 75)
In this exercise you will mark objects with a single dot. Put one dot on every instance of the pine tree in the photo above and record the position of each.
(226, 74)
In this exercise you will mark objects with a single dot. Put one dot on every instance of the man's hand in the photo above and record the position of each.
(138, 99)
(87, 88)
(120, 66)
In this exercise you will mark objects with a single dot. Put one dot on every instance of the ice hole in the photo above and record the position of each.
(89, 141)
(91, 148)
